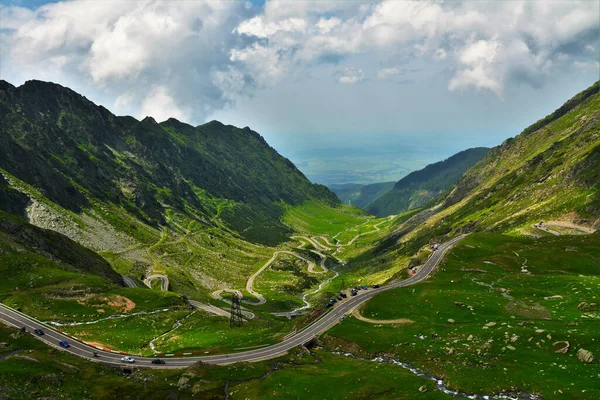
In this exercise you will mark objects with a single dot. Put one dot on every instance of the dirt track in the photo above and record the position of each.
(356, 314)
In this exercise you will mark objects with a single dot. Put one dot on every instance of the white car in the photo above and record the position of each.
(128, 359)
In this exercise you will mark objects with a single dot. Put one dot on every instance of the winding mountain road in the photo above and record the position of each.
(312, 241)
(106, 356)
(250, 282)
(563, 224)
(351, 242)
(163, 278)
(129, 281)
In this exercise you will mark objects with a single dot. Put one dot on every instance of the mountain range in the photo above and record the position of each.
(80, 156)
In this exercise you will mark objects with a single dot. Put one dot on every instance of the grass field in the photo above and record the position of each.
(322, 375)
(488, 320)
(317, 218)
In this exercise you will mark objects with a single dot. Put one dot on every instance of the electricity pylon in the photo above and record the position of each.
(236, 312)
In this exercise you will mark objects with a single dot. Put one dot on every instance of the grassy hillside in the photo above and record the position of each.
(361, 195)
(318, 218)
(419, 187)
(493, 317)
(51, 277)
(29, 369)
(551, 171)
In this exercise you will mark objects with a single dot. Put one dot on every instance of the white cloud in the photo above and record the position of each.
(386, 73)
(350, 76)
(125, 46)
(325, 25)
(265, 63)
(489, 44)
(209, 53)
(123, 102)
(478, 60)
(161, 106)
(232, 82)
(257, 27)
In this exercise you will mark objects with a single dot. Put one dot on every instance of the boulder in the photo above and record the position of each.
(585, 356)
(451, 320)
(423, 389)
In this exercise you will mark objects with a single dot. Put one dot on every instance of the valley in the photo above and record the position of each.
(477, 277)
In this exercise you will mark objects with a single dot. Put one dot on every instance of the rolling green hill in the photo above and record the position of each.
(419, 187)
(361, 195)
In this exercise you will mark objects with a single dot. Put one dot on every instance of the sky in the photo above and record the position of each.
(323, 81)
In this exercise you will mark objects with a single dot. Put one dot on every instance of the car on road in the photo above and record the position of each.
(128, 359)
(354, 292)
(376, 286)
(64, 343)
(344, 295)
(38, 331)
(158, 361)
(363, 287)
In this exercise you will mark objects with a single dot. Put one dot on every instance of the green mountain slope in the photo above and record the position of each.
(78, 151)
(19, 237)
(361, 195)
(48, 275)
(419, 187)
(202, 205)
(551, 171)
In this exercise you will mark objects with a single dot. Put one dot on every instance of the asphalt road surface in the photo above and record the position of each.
(52, 336)
(129, 282)
(163, 279)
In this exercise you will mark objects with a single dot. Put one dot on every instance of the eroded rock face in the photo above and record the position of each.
(585, 356)
(561, 347)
